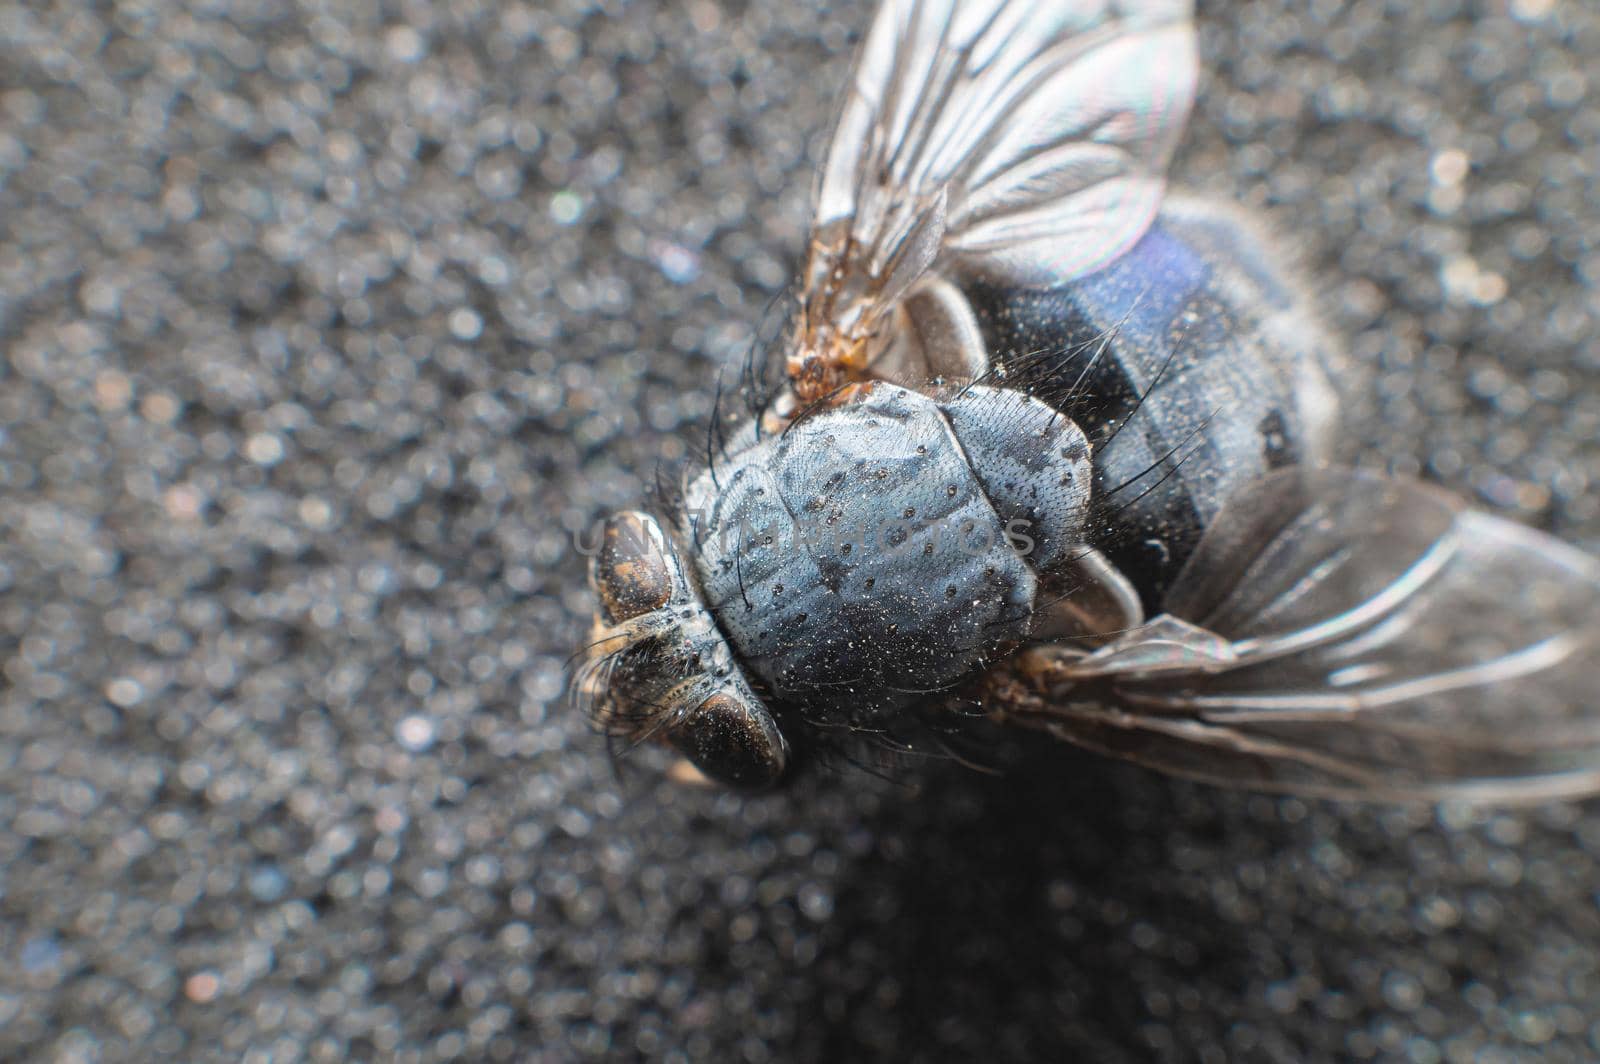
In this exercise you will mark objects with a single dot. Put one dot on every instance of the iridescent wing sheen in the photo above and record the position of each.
(1343, 634)
(1022, 139)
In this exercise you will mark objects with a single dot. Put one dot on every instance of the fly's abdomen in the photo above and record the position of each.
(1193, 367)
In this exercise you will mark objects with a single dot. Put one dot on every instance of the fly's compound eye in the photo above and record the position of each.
(734, 741)
(634, 571)
(649, 662)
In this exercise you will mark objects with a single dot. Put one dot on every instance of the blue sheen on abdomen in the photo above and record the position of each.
(1141, 293)
(1165, 361)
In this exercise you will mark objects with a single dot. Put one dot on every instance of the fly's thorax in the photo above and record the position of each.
(659, 668)
(1033, 463)
(884, 549)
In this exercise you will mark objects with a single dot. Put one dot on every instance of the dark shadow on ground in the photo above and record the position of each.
(1079, 909)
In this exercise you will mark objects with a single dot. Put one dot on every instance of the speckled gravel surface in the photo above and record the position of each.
(321, 328)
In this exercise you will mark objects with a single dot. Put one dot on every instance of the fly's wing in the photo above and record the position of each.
(1343, 634)
(1025, 139)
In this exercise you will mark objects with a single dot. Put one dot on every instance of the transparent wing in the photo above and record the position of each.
(1344, 634)
(1021, 138)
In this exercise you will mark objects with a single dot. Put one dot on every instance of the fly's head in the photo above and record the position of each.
(658, 668)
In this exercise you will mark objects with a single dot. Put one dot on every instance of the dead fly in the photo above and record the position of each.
(1052, 451)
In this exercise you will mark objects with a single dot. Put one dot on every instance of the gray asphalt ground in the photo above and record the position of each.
(322, 325)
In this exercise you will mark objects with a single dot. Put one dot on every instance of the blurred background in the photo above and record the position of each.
(322, 325)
